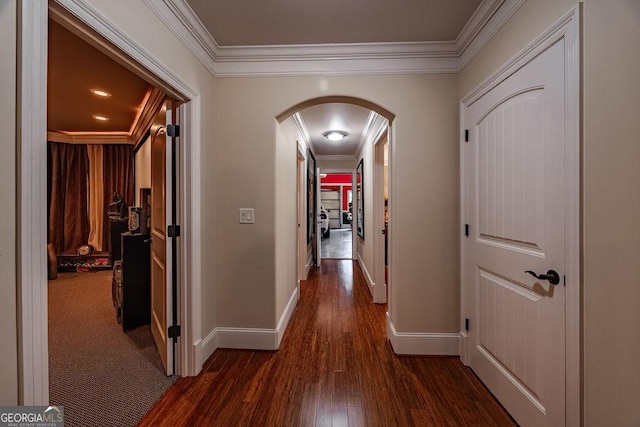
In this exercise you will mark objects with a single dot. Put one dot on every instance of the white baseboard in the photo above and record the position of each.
(370, 283)
(205, 348)
(246, 338)
(464, 348)
(286, 316)
(433, 344)
(308, 265)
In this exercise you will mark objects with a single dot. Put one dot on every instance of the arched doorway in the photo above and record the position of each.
(314, 120)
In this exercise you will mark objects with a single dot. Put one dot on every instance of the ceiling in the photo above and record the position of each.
(248, 23)
(296, 22)
(348, 118)
(74, 68)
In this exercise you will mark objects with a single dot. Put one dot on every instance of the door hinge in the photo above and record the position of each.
(466, 230)
(174, 331)
(466, 135)
(173, 231)
(564, 280)
(466, 325)
(173, 131)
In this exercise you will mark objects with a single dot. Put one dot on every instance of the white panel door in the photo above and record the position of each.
(161, 249)
(515, 199)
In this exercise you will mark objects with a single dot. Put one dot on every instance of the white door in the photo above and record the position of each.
(515, 191)
(161, 245)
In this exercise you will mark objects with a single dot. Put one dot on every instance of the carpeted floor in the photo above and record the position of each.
(102, 375)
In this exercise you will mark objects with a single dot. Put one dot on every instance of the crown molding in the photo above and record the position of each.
(334, 59)
(336, 157)
(153, 101)
(84, 138)
(507, 9)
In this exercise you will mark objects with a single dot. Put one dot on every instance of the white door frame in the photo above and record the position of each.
(352, 172)
(380, 288)
(32, 236)
(567, 28)
(301, 188)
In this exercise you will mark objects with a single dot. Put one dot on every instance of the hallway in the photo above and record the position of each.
(334, 367)
(338, 245)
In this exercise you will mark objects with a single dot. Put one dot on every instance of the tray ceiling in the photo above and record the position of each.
(74, 68)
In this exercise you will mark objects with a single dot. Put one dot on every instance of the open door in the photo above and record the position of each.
(163, 235)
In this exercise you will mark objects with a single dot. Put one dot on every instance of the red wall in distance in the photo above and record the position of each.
(338, 178)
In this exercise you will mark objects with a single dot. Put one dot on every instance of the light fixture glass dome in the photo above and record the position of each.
(335, 135)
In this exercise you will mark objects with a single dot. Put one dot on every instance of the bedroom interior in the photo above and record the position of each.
(99, 211)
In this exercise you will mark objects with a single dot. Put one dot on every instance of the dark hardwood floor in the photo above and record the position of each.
(334, 367)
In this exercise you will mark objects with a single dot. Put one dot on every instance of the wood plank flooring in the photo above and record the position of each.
(335, 367)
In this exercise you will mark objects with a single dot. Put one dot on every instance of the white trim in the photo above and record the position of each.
(434, 344)
(205, 348)
(497, 21)
(567, 27)
(370, 283)
(286, 316)
(309, 264)
(339, 58)
(32, 191)
(247, 338)
(185, 25)
(320, 66)
(66, 138)
(302, 128)
(366, 131)
(190, 251)
(380, 295)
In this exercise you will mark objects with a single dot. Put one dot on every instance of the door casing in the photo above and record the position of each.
(32, 89)
(567, 27)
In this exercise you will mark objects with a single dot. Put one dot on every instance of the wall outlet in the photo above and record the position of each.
(247, 216)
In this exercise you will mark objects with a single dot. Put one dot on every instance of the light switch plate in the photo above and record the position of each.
(247, 216)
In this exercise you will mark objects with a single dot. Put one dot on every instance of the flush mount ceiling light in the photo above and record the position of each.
(100, 92)
(101, 118)
(335, 135)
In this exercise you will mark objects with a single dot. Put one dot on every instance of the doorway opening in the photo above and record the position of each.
(336, 215)
(34, 311)
(110, 196)
(337, 138)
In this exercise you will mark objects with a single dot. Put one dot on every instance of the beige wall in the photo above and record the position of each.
(427, 192)
(611, 200)
(8, 302)
(337, 165)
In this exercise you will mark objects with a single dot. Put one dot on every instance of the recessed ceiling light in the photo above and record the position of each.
(101, 118)
(99, 92)
(335, 135)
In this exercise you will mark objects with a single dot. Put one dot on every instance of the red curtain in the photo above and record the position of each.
(67, 184)
(118, 161)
